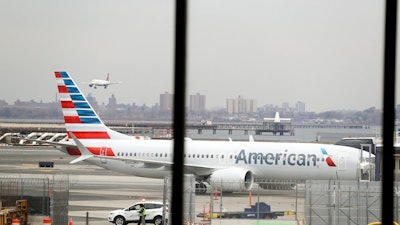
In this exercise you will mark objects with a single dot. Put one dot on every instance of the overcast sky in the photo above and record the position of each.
(326, 53)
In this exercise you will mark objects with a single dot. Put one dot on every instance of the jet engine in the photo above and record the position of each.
(232, 179)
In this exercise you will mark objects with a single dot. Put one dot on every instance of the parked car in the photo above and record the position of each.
(154, 214)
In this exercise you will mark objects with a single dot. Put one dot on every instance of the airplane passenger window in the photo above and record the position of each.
(202, 156)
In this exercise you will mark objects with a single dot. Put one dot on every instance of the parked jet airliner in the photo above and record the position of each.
(228, 165)
(102, 83)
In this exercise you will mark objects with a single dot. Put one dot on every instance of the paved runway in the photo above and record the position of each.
(97, 191)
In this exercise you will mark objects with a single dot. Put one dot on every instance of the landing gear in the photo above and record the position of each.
(201, 188)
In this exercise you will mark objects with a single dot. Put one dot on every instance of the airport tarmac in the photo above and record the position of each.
(95, 191)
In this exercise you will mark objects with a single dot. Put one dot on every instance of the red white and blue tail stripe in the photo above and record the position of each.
(79, 116)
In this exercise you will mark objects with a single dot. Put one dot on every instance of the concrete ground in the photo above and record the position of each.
(94, 191)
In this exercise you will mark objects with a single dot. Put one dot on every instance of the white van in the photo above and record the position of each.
(154, 214)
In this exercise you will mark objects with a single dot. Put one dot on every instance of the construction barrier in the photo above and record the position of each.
(15, 222)
(46, 221)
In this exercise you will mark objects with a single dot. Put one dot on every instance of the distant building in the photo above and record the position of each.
(301, 107)
(3, 103)
(166, 101)
(197, 103)
(251, 106)
(285, 106)
(241, 105)
(92, 100)
(112, 102)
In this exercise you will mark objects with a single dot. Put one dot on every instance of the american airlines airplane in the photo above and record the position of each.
(102, 83)
(227, 165)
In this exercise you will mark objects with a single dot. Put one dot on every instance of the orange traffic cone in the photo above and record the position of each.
(250, 198)
(204, 212)
(15, 222)
(70, 221)
(46, 221)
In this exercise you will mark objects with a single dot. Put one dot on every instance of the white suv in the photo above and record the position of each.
(154, 214)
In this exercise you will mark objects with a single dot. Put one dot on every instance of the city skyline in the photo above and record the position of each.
(32, 110)
(243, 105)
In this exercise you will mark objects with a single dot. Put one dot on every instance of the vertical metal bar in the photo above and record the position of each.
(389, 111)
(179, 111)
(367, 202)
(396, 207)
(349, 211)
(296, 204)
(310, 202)
(258, 200)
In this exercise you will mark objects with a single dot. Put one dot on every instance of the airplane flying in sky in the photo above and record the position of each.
(227, 165)
(102, 83)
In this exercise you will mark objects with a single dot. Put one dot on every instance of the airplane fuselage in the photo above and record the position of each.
(99, 83)
(292, 161)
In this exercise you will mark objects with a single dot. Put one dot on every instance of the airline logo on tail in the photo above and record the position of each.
(81, 121)
(77, 112)
(79, 116)
(328, 158)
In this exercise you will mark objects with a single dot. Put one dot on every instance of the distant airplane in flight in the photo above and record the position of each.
(102, 83)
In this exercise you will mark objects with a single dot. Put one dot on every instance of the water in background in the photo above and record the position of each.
(325, 135)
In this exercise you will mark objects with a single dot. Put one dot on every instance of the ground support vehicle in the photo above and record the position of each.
(260, 210)
(154, 214)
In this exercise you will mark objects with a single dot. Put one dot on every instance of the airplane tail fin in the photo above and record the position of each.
(79, 116)
(108, 77)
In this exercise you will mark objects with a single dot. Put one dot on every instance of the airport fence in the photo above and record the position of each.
(188, 196)
(213, 206)
(44, 195)
(312, 202)
(346, 202)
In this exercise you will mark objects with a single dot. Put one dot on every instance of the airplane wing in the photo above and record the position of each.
(193, 168)
(116, 82)
(53, 143)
